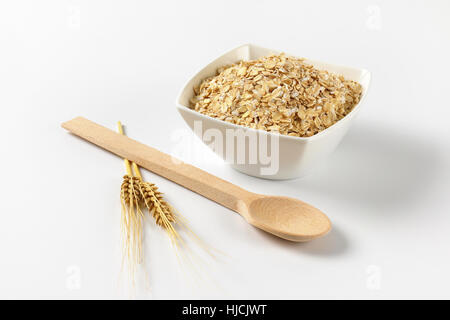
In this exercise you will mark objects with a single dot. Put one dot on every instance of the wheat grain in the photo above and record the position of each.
(155, 203)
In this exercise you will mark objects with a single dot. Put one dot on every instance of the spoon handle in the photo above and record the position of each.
(190, 177)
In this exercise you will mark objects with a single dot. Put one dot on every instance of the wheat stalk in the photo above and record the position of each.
(132, 218)
(137, 195)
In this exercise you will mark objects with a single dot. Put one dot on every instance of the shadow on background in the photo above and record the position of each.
(334, 243)
(377, 167)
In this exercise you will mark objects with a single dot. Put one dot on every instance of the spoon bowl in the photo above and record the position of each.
(287, 218)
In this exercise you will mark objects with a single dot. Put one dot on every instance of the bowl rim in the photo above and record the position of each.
(326, 131)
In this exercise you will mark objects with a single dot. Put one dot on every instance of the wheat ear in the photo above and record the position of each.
(161, 211)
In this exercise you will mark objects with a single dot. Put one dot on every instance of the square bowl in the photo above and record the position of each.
(290, 157)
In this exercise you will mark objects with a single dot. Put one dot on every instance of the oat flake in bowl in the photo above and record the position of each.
(277, 93)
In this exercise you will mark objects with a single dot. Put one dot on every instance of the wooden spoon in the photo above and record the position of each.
(284, 217)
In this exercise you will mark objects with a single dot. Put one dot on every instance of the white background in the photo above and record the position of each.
(386, 188)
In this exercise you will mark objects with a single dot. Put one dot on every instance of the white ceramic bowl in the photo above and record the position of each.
(296, 156)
